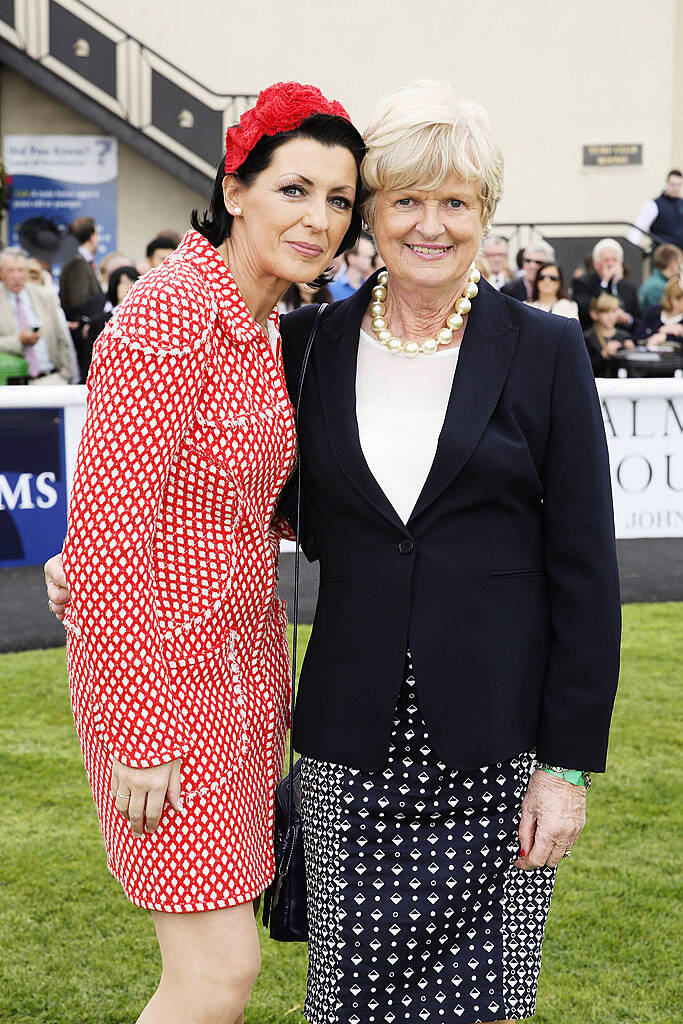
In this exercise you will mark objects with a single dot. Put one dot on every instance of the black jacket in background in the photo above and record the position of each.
(516, 288)
(587, 286)
(504, 580)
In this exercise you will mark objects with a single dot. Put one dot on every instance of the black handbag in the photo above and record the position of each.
(284, 902)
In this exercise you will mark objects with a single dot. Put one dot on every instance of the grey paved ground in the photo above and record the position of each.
(651, 570)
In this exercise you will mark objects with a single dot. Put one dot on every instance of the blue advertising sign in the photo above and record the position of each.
(33, 487)
(62, 177)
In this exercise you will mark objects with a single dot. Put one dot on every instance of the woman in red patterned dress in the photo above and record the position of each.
(177, 647)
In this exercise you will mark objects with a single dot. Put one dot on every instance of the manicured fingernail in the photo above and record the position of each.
(523, 853)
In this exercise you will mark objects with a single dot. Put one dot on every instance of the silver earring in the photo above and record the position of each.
(237, 211)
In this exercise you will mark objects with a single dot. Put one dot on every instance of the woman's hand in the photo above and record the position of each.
(57, 588)
(553, 816)
(140, 793)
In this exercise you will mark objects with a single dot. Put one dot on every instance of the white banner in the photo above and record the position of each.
(643, 424)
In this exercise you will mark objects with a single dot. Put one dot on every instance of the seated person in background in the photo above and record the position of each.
(357, 268)
(605, 340)
(30, 324)
(548, 292)
(495, 250)
(534, 256)
(303, 295)
(607, 276)
(663, 324)
(161, 247)
(667, 264)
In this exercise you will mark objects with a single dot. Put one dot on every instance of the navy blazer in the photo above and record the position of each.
(503, 583)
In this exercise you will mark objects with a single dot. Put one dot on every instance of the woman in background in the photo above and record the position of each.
(548, 292)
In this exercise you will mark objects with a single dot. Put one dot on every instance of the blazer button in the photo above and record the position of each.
(406, 546)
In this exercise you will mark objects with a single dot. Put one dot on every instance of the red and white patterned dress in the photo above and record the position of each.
(177, 644)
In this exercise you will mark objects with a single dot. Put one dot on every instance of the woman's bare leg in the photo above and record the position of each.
(210, 963)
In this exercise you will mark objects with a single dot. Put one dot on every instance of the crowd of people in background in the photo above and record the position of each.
(48, 327)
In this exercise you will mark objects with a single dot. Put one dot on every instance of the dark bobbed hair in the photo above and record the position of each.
(116, 275)
(561, 293)
(215, 223)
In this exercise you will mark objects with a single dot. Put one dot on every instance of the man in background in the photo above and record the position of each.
(534, 257)
(78, 280)
(161, 247)
(495, 251)
(30, 322)
(607, 276)
(662, 216)
(357, 268)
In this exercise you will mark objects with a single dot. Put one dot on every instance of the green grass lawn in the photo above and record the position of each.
(74, 951)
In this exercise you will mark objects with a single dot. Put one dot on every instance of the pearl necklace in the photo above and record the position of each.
(378, 312)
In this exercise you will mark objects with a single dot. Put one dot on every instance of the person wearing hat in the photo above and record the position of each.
(177, 646)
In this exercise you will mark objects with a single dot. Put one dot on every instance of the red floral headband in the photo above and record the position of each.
(279, 108)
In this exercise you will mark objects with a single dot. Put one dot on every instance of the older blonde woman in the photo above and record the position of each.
(458, 683)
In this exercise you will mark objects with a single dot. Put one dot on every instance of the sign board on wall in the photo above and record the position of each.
(40, 429)
(62, 177)
(619, 154)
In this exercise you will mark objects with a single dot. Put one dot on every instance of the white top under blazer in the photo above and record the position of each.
(401, 405)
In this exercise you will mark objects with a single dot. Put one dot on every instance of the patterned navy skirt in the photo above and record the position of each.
(416, 911)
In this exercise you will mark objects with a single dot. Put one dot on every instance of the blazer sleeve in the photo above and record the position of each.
(581, 569)
(146, 379)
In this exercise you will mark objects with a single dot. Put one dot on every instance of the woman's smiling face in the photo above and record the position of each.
(429, 238)
(296, 212)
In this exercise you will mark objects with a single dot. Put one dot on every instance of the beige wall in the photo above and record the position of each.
(148, 199)
(554, 75)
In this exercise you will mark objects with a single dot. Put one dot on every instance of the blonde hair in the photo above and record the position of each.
(421, 134)
(672, 290)
(603, 302)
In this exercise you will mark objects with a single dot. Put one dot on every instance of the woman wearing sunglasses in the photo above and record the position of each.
(548, 292)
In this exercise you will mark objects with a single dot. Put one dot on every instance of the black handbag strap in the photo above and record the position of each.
(295, 619)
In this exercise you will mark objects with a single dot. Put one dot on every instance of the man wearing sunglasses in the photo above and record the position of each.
(534, 257)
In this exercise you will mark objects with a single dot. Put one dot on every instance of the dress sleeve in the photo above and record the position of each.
(581, 568)
(146, 379)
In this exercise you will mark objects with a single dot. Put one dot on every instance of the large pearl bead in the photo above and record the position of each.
(394, 344)
(463, 305)
(379, 293)
(377, 309)
(429, 346)
(383, 278)
(475, 275)
(455, 321)
(379, 323)
(470, 290)
(444, 336)
(384, 337)
(411, 348)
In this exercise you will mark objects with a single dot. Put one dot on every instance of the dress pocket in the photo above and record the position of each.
(209, 689)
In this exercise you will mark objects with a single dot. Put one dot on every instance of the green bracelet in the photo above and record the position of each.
(577, 778)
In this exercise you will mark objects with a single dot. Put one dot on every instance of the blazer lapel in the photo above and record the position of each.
(486, 353)
(336, 359)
